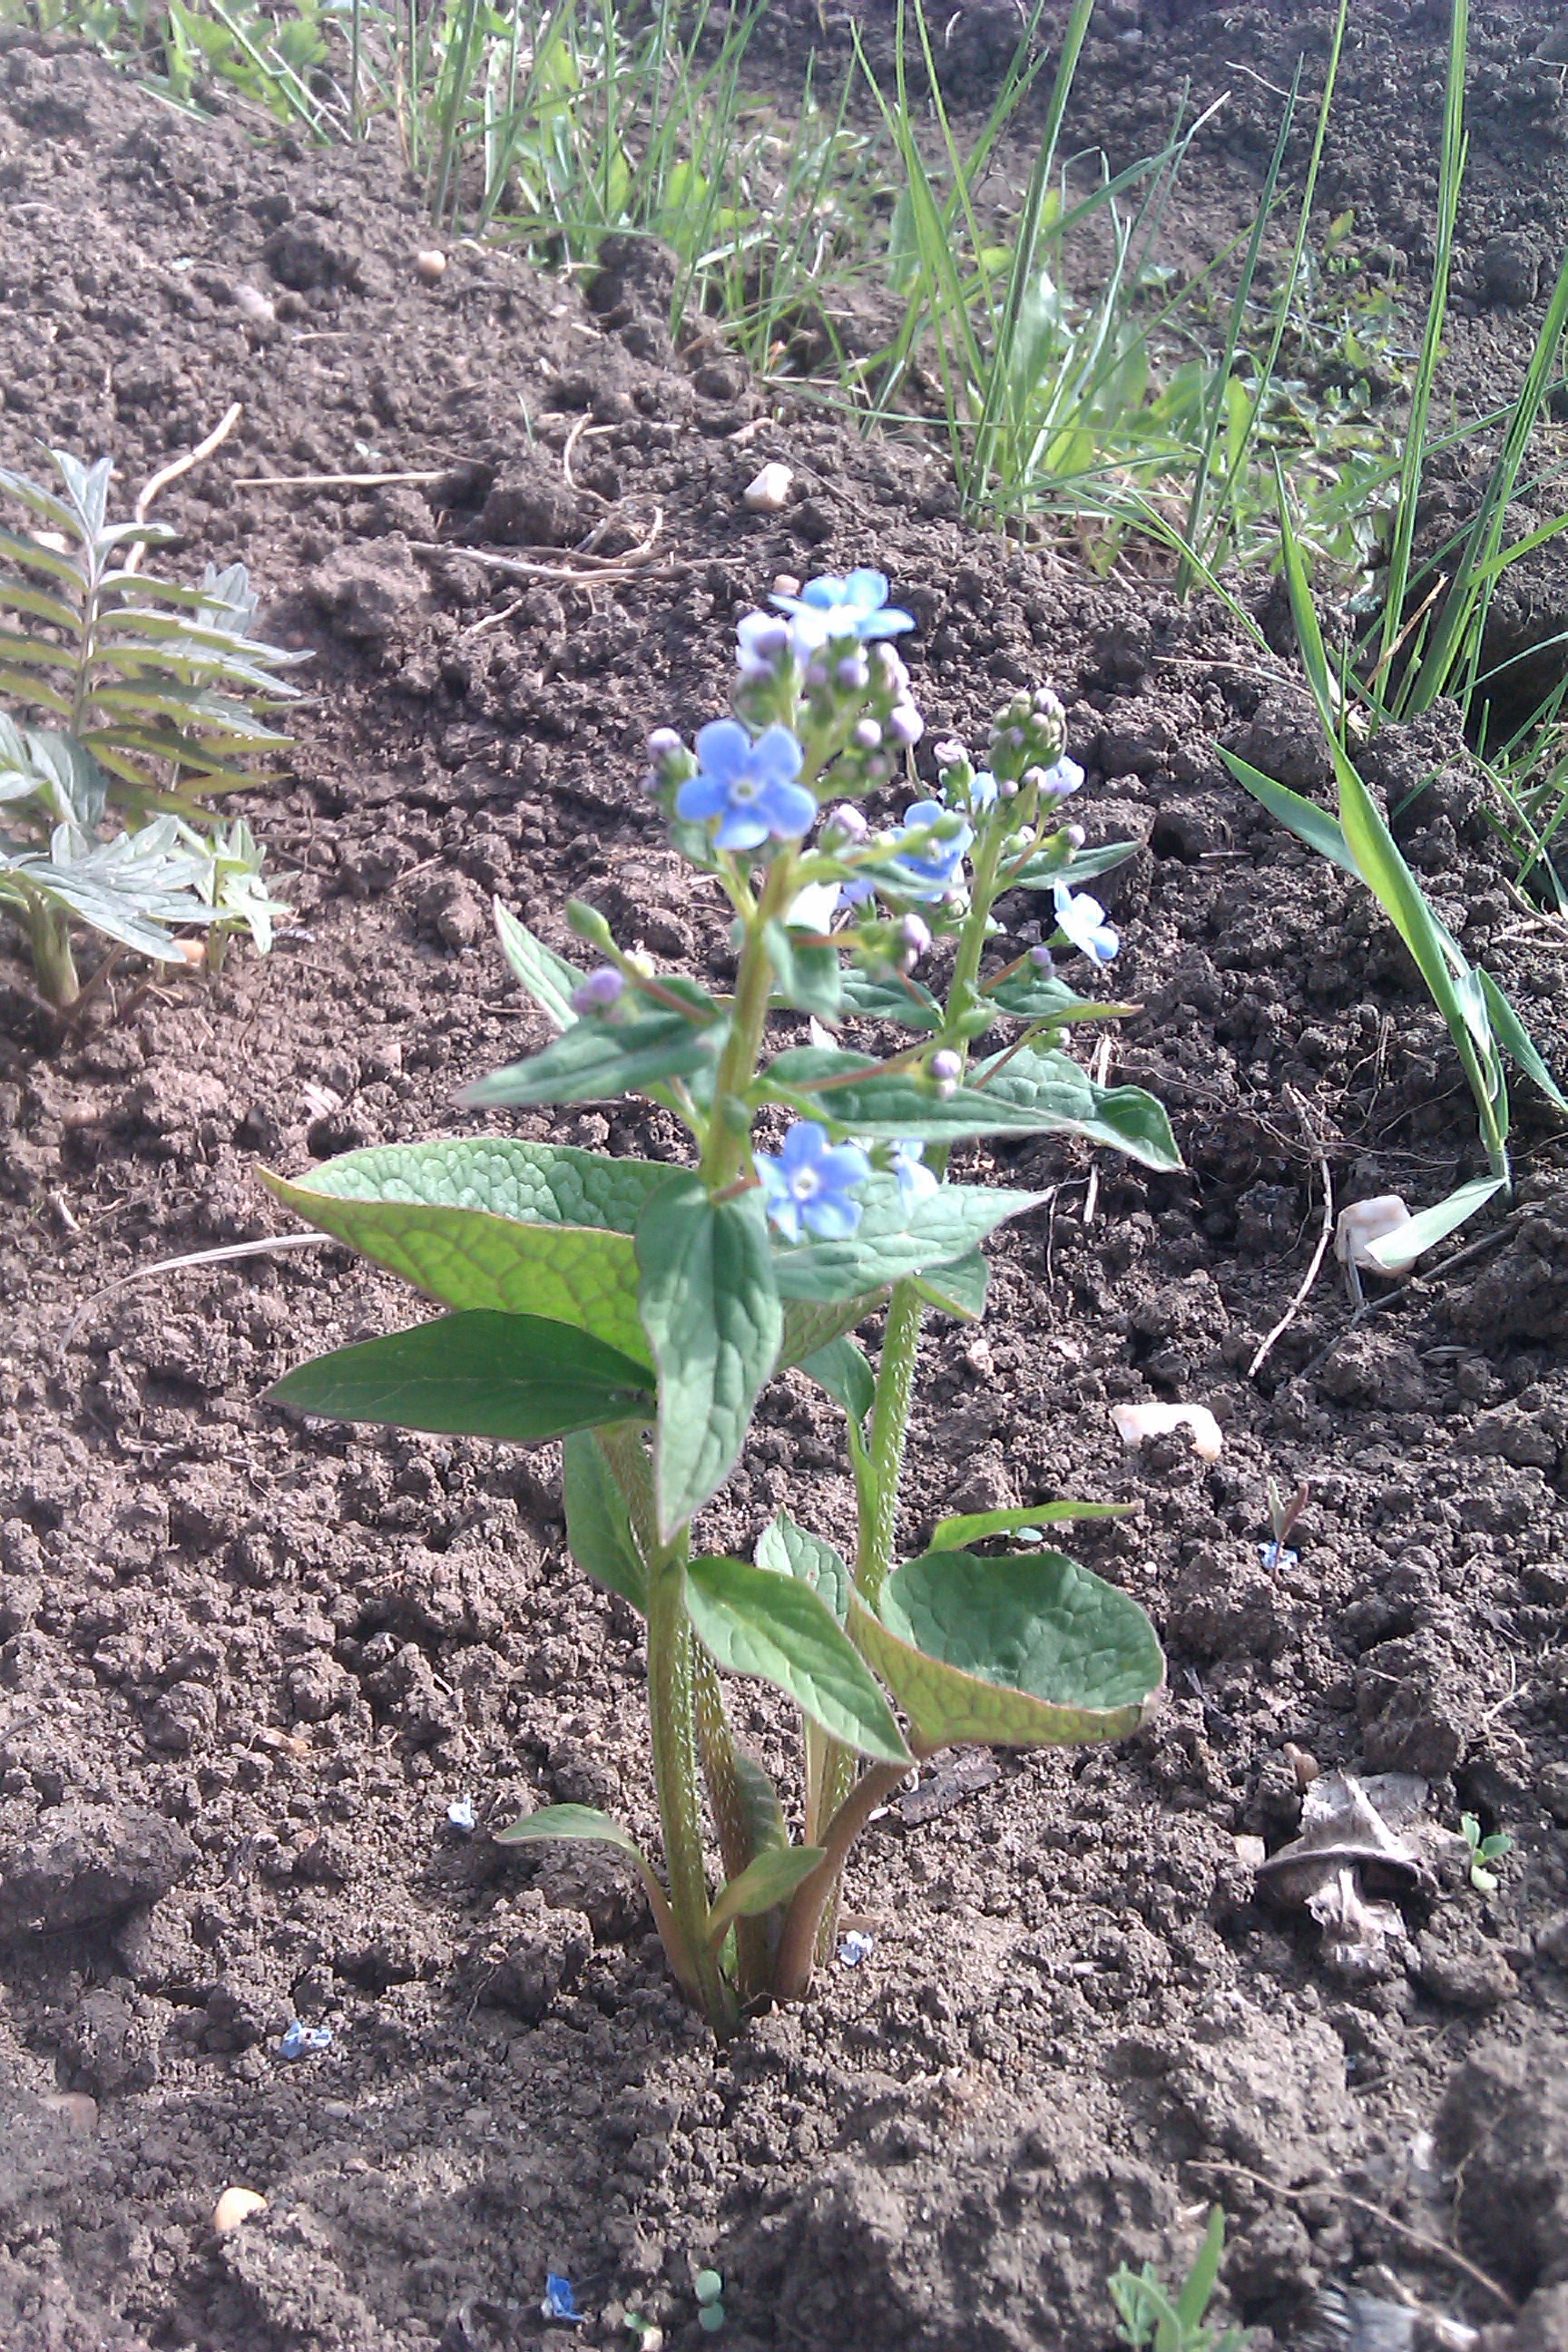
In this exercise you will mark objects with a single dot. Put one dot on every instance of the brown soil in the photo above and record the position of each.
(247, 1667)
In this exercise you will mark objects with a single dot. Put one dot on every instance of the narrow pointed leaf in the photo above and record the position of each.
(975, 1526)
(786, 1549)
(1304, 818)
(599, 1060)
(583, 1825)
(755, 1622)
(1033, 996)
(1515, 1039)
(1027, 1652)
(598, 1525)
(711, 1309)
(475, 1375)
(1045, 870)
(763, 1886)
(1397, 1252)
(546, 977)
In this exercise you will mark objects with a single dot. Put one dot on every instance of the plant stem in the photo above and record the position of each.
(814, 1897)
(727, 1153)
(669, 1697)
(48, 937)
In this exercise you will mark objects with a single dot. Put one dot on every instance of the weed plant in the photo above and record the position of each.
(637, 1309)
(154, 697)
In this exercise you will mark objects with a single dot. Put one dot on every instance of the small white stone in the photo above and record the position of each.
(786, 584)
(235, 2205)
(1136, 1423)
(1250, 1851)
(431, 264)
(1365, 1222)
(769, 493)
(254, 305)
(76, 2111)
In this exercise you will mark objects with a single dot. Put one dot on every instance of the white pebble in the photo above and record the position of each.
(75, 2110)
(235, 2205)
(1136, 1423)
(431, 264)
(769, 493)
(1365, 1222)
(252, 304)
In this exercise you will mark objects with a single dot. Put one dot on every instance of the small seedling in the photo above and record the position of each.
(708, 2288)
(1484, 1851)
(1154, 2318)
(1282, 1517)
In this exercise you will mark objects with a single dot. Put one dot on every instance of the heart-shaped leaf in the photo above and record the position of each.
(475, 1375)
(711, 1309)
(1027, 1652)
(756, 1622)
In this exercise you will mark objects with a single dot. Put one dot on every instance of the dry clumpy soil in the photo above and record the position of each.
(248, 1667)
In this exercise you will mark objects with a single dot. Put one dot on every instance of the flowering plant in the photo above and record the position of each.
(635, 1310)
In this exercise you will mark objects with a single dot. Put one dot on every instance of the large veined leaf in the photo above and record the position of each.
(583, 1275)
(756, 1622)
(711, 1309)
(540, 1183)
(892, 1241)
(475, 1375)
(1027, 1652)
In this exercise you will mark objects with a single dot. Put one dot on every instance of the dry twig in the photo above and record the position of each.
(1321, 1161)
(176, 468)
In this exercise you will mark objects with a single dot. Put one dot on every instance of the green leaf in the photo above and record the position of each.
(957, 1289)
(763, 1886)
(475, 1375)
(878, 997)
(755, 1622)
(808, 978)
(809, 1326)
(600, 1059)
(786, 1549)
(598, 1525)
(1025, 1651)
(1303, 817)
(1399, 1250)
(975, 1526)
(538, 1184)
(1033, 996)
(1515, 1039)
(892, 1241)
(1045, 870)
(1064, 1099)
(841, 1368)
(711, 1309)
(554, 1823)
(546, 977)
(585, 1277)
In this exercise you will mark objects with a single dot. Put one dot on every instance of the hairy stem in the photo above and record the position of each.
(669, 1695)
(727, 1153)
(813, 1897)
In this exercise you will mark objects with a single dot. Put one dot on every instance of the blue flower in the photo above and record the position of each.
(982, 788)
(830, 609)
(750, 787)
(560, 2302)
(761, 642)
(1058, 783)
(298, 2040)
(935, 869)
(808, 1183)
(916, 1181)
(1083, 920)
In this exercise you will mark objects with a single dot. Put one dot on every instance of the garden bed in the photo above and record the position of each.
(248, 1665)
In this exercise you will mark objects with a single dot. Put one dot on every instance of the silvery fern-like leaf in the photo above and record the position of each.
(133, 889)
(61, 775)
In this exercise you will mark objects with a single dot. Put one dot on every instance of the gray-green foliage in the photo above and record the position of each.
(1155, 2318)
(134, 702)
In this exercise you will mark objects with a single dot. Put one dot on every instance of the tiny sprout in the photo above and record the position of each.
(1282, 1517)
(708, 2287)
(1484, 1850)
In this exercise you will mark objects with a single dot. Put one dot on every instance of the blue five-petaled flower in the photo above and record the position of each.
(833, 608)
(807, 1182)
(934, 870)
(750, 788)
(1081, 919)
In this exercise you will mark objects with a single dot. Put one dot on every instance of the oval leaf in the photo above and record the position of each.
(892, 1242)
(1020, 1652)
(477, 1375)
(757, 1623)
(599, 1060)
(786, 1549)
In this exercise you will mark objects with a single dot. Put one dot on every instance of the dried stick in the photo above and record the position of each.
(342, 481)
(177, 467)
(1322, 1163)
